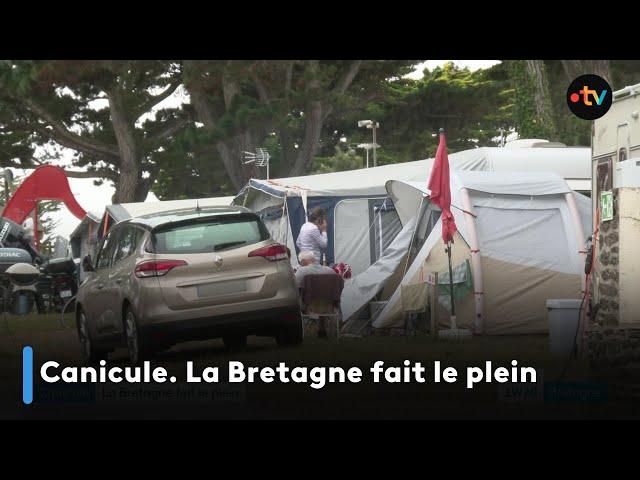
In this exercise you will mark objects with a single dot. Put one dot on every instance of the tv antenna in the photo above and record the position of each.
(260, 158)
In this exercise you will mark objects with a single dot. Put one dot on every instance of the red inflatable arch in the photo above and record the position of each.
(47, 182)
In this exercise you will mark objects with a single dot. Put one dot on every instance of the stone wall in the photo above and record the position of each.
(610, 342)
(609, 347)
(606, 271)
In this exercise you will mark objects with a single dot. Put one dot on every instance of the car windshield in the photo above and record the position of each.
(210, 235)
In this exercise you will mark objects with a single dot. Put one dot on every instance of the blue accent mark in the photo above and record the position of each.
(27, 375)
(600, 99)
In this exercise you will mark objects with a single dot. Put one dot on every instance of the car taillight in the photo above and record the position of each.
(156, 268)
(273, 253)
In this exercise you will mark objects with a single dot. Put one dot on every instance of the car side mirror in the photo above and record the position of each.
(87, 264)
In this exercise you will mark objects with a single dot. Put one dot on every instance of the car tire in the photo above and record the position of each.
(90, 354)
(235, 343)
(290, 336)
(137, 345)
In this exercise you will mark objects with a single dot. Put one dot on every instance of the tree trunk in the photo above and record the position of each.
(232, 153)
(130, 175)
(575, 68)
(314, 119)
(313, 129)
(537, 73)
(288, 150)
(231, 150)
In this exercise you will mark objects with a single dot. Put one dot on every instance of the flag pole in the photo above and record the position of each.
(453, 304)
(448, 250)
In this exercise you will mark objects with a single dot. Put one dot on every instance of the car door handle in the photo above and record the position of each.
(99, 286)
(118, 281)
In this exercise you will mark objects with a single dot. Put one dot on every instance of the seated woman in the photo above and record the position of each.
(309, 266)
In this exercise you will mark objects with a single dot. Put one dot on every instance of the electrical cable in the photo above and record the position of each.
(586, 293)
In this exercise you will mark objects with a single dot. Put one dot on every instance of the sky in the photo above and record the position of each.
(94, 198)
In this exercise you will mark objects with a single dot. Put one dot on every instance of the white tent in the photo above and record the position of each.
(521, 234)
(362, 221)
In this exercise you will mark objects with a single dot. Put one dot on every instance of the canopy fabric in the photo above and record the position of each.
(364, 287)
(568, 163)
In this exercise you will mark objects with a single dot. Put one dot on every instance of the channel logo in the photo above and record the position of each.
(589, 97)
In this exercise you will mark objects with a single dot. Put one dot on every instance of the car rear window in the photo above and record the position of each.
(210, 235)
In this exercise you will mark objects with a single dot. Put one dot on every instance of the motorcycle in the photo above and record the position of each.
(28, 278)
(18, 282)
(58, 284)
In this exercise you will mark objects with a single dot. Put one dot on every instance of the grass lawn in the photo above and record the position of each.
(33, 322)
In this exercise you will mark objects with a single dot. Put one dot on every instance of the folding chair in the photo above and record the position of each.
(320, 298)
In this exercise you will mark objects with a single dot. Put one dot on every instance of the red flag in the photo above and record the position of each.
(440, 188)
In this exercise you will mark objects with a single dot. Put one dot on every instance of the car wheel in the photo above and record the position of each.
(90, 354)
(290, 336)
(235, 343)
(138, 348)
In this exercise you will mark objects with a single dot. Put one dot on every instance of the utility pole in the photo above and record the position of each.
(373, 126)
(375, 159)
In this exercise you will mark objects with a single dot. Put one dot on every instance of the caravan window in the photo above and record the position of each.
(622, 154)
(428, 217)
(386, 225)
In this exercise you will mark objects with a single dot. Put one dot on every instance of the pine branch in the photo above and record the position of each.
(171, 129)
(67, 138)
(348, 77)
(156, 99)
(91, 174)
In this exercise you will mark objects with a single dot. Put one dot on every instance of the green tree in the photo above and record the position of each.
(244, 104)
(47, 225)
(471, 106)
(533, 108)
(343, 159)
(99, 109)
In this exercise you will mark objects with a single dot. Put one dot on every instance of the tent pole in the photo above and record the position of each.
(476, 262)
(453, 304)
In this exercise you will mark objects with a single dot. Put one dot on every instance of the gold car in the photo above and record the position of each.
(186, 275)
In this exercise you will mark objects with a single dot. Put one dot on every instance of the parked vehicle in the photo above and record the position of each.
(58, 284)
(186, 275)
(19, 273)
(18, 282)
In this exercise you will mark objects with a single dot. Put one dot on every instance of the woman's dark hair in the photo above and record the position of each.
(317, 215)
